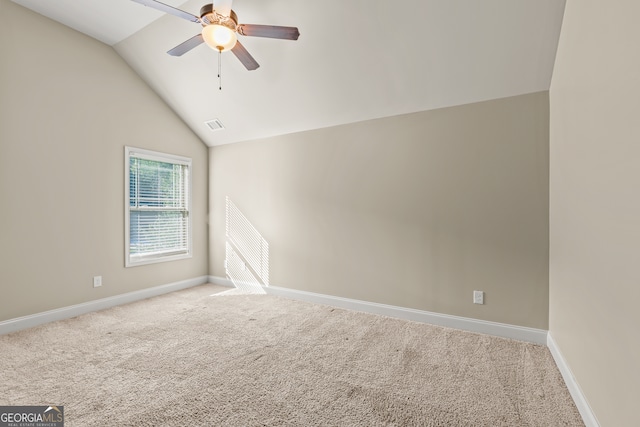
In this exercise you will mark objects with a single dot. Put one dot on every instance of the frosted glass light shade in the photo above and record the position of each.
(219, 37)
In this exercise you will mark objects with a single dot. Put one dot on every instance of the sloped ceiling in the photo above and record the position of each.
(355, 60)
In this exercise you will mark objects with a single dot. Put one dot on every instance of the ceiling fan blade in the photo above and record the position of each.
(186, 46)
(169, 9)
(223, 7)
(271, 31)
(245, 57)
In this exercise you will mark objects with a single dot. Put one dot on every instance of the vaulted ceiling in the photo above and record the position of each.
(355, 60)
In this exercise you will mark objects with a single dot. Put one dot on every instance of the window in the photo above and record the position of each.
(157, 207)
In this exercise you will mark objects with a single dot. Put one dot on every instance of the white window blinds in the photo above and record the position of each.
(158, 207)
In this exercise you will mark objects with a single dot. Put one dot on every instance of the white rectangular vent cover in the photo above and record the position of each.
(214, 125)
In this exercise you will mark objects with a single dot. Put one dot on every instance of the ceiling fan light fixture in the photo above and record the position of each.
(219, 37)
(219, 31)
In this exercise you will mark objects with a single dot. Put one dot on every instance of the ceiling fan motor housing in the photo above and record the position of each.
(209, 16)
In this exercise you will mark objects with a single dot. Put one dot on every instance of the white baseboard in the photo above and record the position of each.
(222, 281)
(537, 336)
(579, 398)
(32, 320)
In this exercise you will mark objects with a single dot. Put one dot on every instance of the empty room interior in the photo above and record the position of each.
(460, 170)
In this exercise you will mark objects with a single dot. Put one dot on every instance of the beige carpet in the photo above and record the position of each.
(193, 359)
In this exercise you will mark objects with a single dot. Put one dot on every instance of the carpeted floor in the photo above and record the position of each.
(193, 358)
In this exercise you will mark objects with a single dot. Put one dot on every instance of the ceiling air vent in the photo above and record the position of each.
(214, 125)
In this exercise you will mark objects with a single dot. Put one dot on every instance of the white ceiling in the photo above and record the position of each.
(109, 21)
(355, 60)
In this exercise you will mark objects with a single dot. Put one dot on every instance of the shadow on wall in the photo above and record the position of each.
(247, 254)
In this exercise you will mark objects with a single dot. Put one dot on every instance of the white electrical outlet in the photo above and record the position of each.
(97, 281)
(478, 297)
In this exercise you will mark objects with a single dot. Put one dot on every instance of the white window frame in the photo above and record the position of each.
(160, 157)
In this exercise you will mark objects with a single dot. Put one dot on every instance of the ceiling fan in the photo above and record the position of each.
(219, 29)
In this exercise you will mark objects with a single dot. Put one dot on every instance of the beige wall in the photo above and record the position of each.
(68, 106)
(595, 204)
(415, 211)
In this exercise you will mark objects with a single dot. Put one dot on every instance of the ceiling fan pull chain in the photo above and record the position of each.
(220, 69)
